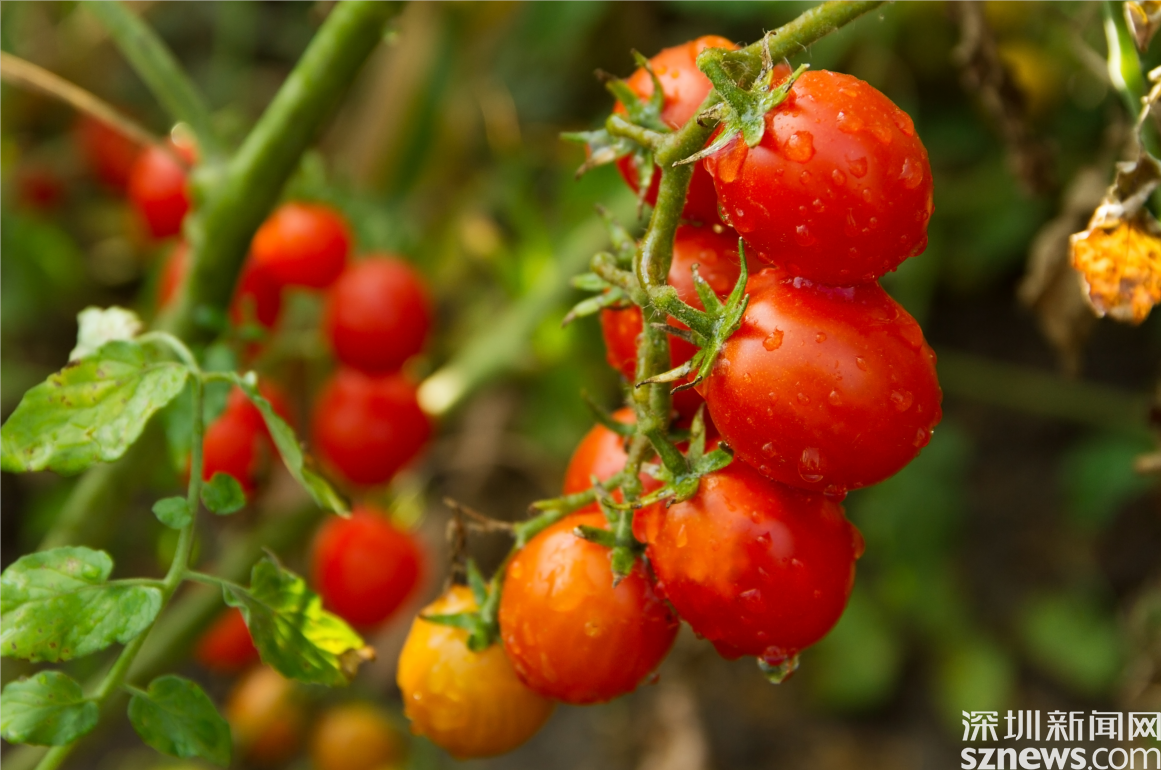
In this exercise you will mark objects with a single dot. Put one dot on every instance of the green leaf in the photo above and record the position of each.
(223, 494)
(48, 709)
(1074, 637)
(292, 455)
(173, 512)
(91, 411)
(56, 605)
(291, 630)
(177, 718)
(98, 326)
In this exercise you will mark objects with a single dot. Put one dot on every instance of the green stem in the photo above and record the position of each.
(210, 580)
(1123, 64)
(160, 70)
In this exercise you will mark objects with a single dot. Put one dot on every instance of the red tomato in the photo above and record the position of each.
(839, 189)
(756, 567)
(368, 427)
(569, 633)
(378, 314)
(39, 186)
(363, 567)
(234, 446)
(226, 646)
(257, 297)
(824, 388)
(601, 453)
(685, 88)
(302, 244)
(240, 406)
(157, 190)
(108, 152)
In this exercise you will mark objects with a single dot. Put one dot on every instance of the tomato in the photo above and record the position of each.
(356, 736)
(601, 453)
(226, 646)
(39, 186)
(378, 314)
(716, 256)
(754, 566)
(303, 244)
(824, 388)
(234, 446)
(839, 189)
(685, 88)
(368, 427)
(157, 190)
(266, 717)
(572, 635)
(470, 703)
(257, 297)
(240, 405)
(364, 567)
(108, 152)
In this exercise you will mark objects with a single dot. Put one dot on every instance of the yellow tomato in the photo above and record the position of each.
(266, 717)
(469, 703)
(356, 736)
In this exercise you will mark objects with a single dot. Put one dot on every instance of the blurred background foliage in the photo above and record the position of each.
(1012, 565)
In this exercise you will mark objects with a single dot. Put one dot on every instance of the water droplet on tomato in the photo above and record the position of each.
(902, 399)
(867, 195)
(861, 363)
(912, 173)
(768, 449)
(882, 133)
(592, 629)
(850, 228)
(873, 223)
(810, 465)
(912, 335)
(773, 340)
(848, 122)
(839, 177)
(682, 537)
(746, 378)
(803, 399)
(857, 166)
(922, 436)
(777, 667)
(820, 337)
(834, 399)
(800, 146)
(903, 122)
(752, 596)
(818, 206)
(835, 492)
(803, 237)
(919, 247)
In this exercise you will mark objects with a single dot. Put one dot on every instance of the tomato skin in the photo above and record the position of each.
(824, 388)
(368, 427)
(108, 152)
(754, 566)
(302, 244)
(378, 314)
(685, 88)
(226, 646)
(572, 635)
(356, 736)
(157, 190)
(255, 289)
(364, 568)
(234, 446)
(601, 453)
(470, 703)
(266, 717)
(838, 191)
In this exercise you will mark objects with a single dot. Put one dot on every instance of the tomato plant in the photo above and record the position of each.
(256, 298)
(302, 244)
(157, 189)
(226, 646)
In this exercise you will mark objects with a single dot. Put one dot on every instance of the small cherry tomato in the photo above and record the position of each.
(377, 314)
(257, 297)
(356, 736)
(302, 244)
(109, 153)
(368, 427)
(233, 446)
(756, 567)
(601, 453)
(157, 190)
(266, 717)
(685, 88)
(364, 567)
(822, 387)
(839, 189)
(569, 632)
(226, 646)
(470, 703)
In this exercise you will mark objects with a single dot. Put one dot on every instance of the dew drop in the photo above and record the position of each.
(861, 363)
(592, 629)
(753, 596)
(919, 247)
(820, 337)
(803, 237)
(857, 166)
(912, 173)
(818, 206)
(803, 399)
(729, 164)
(873, 223)
(834, 399)
(922, 436)
(903, 122)
(912, 335)
(768, 449)
(778, 668)
(902, 399)
(881, 133)
(804, 177)
(839, 177)
(867, 195)
(850, 228)
(835, 492)
(810, 465)
(849, 123)
(800, 146)
(773, 340)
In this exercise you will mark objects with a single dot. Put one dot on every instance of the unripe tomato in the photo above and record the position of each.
(302, 244)
(364, 567)
(266, 717)
(157, 190)
(601, 453)
(356, 736)
(257, 297)
(368, 427)
(572, 635)
(377, 315)
(822, 387)
(685, 88)
(756, 567)
(108, 152)
(839, 189)
(226, 646)
(470, 703)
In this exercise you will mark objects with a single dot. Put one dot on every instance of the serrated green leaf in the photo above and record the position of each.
(177, 718)
(56, 605)
(48, 709)
(291, 630)
(292, 455)
(222, 494)
(97, 326)
(91, 411)
(173, 512)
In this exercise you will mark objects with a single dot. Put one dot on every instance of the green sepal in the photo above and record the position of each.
(482, 624)
(177, 718)
(223, 494)
(605, 418)
(680, 488)
(48, 709)
(173, 512)
(603, 148)
(613, 298)
(589, 282)
(596, 535)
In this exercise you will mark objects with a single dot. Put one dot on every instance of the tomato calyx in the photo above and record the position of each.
(482, 625)
(611, 276)
(681, 484)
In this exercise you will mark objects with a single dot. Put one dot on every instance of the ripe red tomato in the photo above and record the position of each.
(157, 190)
(257, 297)
(302, 244)
(839, 189)
(470, 703)
(108, 152)
(266, 717)
(756, 567)
(234, 446)
(824, 388)
(685, 88)
(572, 635)
(363, 567)
(226, 646)
(378, 314)
(368, 427)
(356, 736)
(601, 453)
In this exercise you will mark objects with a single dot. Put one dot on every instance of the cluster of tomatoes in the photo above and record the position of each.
(826, 386)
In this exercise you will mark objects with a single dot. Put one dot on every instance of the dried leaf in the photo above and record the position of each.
(1121, 266)
(1143, 20)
